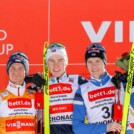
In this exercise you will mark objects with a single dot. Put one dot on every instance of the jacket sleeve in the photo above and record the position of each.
(129, 132)
(79, 127)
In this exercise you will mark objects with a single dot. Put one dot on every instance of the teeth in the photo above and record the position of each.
(94, 70)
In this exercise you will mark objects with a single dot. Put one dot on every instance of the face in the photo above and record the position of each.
(96, 67)
(56, 65)
(17, 73)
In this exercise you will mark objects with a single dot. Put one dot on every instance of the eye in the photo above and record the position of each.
(61, 60)
(51, 60)
(21, 69)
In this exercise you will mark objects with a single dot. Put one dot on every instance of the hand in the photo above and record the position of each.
(36, 79)
(114, 127)
(117, 79)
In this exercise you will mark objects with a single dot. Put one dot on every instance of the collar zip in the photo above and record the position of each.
(18, 91)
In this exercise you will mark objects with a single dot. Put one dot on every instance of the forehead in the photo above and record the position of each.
(94, 59)
(55, 57)
(17, 65)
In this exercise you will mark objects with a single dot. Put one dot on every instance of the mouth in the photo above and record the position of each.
(94, 71)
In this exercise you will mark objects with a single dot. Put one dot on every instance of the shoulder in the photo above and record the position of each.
(80, 79)
(86, 85)
(83, 88)
(3, 93)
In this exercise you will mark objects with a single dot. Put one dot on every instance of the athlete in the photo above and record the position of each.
(62, 89)
(96, 98)
(17, 112)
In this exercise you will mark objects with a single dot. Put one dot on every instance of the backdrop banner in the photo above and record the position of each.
(26, 25)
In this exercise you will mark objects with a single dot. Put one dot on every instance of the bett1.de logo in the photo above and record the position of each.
(5, 47)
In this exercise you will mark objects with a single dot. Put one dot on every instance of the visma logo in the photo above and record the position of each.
(103, 29)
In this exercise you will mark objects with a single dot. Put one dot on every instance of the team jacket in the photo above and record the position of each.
(17, 112)
(95, 99)
(62, 93)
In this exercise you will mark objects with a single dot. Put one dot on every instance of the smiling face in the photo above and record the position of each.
(56, 65)
(17, 73)
(96, 67)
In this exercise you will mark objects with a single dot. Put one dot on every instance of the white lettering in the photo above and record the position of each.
(118, 31)
(99, 35)
(5, 48)
(4, 36)
(131, 37)
(93, 36)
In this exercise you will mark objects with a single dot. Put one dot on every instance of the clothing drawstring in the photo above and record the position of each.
(18, 91)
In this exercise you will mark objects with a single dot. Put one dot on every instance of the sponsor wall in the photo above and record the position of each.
(26, 25)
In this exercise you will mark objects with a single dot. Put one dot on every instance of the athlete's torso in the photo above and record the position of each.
(61, 98)
(99, 98)
(17, 112)
(62, 93)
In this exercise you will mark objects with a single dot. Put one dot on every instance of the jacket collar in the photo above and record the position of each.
(102, 81)
(57, 80)
(16, 89)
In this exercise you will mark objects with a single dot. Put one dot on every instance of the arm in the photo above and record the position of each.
(82, 80)
(129, 132)
(36, 79)
(79, 127)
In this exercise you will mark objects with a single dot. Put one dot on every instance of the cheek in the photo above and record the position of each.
(24, 73)
(89, 69)
(88, 66)
(102, 66)
(64, 66)
(10, 76)
(50, 66)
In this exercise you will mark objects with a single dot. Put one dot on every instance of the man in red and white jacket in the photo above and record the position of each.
(17, 112)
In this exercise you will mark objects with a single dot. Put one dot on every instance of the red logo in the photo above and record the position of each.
(61, 108)
(60, 88)
(13, 85)
(20, 125)
(19, 103)
(101, 93)
(132, 125)
(39, 100)
(117, 112)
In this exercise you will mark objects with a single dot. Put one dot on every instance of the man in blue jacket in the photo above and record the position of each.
(96, 98)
